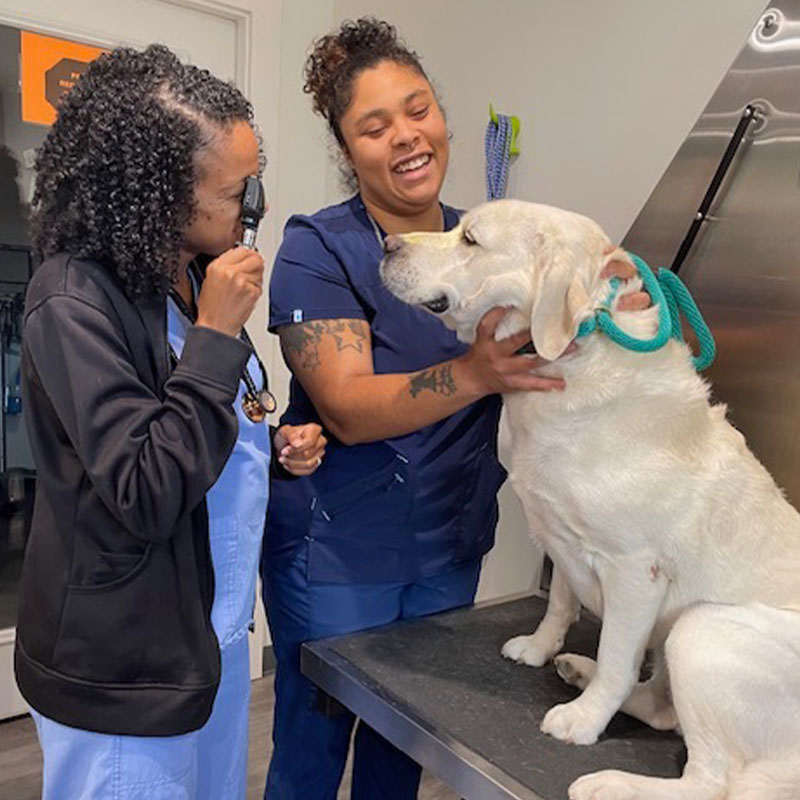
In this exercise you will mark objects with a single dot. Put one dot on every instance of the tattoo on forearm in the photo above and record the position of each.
(302, 341)
(439, 380)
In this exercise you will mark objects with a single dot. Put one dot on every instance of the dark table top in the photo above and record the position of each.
(439, 689)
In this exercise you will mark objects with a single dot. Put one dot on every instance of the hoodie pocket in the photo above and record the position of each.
(102, 632)
(112, 570)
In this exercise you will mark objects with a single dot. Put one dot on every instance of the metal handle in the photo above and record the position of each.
(748, 115)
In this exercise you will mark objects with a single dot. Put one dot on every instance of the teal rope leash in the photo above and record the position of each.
(669, 292)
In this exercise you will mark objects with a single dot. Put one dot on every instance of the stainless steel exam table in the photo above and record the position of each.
(440, 691)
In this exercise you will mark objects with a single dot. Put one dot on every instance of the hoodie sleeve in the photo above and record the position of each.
(150, 460)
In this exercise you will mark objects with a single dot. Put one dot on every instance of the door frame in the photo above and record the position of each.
(242, 19)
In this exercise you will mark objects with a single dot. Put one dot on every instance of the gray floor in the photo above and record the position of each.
(21, 762)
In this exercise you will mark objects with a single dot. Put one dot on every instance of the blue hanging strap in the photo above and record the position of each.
(497, 158)
(499, 145)
(669, 292)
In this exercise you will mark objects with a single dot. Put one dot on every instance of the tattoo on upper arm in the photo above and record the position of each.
(348, 333)
(302, 341)
(438, 379)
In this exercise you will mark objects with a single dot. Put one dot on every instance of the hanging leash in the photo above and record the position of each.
(669, 292)
(500, 143)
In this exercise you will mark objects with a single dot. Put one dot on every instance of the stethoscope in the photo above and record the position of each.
(256, 403)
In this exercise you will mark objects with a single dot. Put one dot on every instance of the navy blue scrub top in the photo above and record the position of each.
(404, 508)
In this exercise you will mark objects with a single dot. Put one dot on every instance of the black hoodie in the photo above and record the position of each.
(114, 632)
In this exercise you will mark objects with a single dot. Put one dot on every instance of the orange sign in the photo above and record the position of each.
(49, 69)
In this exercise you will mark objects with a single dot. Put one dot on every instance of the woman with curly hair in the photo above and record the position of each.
(395, 523)
(138, 581)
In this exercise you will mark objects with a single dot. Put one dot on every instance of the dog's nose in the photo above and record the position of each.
(438, 305)
(392, 243)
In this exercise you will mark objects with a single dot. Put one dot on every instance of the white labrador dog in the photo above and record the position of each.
(656, 515)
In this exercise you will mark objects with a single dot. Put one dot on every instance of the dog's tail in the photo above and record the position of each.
(767, 780)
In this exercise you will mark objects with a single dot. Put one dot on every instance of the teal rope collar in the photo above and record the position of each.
(669, 292)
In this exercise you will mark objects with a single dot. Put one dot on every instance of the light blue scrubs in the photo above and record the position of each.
(210, 763)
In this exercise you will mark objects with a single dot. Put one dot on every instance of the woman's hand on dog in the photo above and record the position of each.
(495, 366)
(635, 301)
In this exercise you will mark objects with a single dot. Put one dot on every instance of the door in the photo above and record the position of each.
(199, 31)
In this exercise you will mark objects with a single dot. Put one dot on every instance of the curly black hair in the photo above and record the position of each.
(115, 176)
(336, 60)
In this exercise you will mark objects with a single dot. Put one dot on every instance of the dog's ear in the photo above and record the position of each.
(560, 300)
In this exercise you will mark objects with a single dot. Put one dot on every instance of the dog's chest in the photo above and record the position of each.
(555, 447)
(567, 469)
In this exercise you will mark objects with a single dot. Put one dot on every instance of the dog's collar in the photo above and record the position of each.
(672, 297)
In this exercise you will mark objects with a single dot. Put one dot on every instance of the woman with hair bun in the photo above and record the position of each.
(395, 523)
(152, 458)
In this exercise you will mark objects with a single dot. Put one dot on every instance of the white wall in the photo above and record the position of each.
(606, 92)
(606, 89)
(297, 155)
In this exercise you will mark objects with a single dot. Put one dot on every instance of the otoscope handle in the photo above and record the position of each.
(249, 238)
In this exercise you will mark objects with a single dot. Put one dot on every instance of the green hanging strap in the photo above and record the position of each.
(669, 292)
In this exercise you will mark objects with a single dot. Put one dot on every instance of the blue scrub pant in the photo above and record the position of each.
(207, 764)
(310, 747)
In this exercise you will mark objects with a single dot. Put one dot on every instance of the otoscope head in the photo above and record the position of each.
(253, 206)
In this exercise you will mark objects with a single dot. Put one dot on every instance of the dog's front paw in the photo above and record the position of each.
(532, 650)
(606, 785)
(573, 723)
(575, 670)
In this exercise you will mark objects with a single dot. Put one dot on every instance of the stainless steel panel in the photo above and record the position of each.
(744, 267)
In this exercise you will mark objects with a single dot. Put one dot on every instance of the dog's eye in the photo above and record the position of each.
(468, 237)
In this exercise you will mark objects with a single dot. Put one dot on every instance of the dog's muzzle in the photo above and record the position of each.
(398, 279)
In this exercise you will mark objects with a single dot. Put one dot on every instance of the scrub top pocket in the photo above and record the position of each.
(476, 529)
(359, 531)
(235, 548)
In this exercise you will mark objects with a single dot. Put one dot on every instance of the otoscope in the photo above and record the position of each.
(253, 206)
(256, 404)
